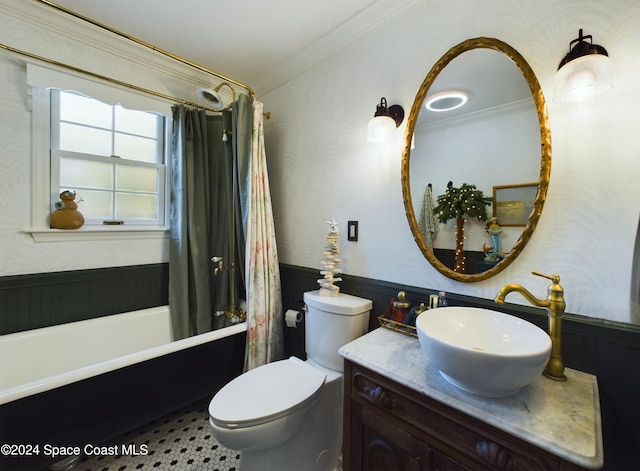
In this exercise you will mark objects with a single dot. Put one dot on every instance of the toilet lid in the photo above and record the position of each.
(265, 393)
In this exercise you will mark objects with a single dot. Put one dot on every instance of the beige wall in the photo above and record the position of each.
(321, 165)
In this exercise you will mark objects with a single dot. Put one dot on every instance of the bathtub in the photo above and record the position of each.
(87, 382)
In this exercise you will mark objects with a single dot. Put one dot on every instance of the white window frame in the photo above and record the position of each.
(160, 165)
(41, 170)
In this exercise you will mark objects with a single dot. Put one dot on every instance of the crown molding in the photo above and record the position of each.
(44, 31)
(375, 16)
(519, 106)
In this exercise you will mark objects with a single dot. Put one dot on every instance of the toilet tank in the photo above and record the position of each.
(330, 323)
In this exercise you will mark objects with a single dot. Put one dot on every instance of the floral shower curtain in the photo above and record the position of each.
(264, 303)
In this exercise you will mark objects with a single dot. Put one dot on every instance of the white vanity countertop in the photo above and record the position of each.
(560, 417)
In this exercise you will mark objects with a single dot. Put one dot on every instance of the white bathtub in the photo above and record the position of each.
(38, 360)
(90, 381)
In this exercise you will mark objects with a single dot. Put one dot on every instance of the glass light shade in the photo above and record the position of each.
(583, 78)
(381, 129)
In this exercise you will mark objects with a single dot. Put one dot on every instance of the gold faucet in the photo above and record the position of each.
(555, 306)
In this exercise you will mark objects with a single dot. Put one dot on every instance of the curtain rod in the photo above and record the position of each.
(108, 79)
(150, 46)
(181, 101)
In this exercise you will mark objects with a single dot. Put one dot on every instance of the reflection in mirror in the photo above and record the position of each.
(491, 141)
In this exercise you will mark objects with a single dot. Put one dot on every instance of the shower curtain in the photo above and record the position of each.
(202, 168)
(264, 303)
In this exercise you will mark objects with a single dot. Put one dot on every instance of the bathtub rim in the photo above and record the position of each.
(55, 381)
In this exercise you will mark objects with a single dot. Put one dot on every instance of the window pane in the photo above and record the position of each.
(136, 122)
(133, 178)
(95, 204)
(141, 149)
(85, 140)
(133, 205)
(79, 173)
(131, 187)
(80, 109)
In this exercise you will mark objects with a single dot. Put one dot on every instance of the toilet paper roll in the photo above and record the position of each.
(292, 318)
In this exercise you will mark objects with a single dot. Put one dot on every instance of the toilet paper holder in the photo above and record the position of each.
(293, 317)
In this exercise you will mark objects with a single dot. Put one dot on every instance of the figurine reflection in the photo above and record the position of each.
(492, 253)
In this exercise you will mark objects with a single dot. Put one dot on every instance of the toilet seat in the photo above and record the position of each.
(266, 393)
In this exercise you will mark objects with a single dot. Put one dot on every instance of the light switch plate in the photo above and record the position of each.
(352, 231)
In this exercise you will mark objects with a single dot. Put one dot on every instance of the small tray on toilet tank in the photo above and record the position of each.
(405, 329)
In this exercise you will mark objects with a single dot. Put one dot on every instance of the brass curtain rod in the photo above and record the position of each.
(108, 79)
(181, 101)
(150, 46)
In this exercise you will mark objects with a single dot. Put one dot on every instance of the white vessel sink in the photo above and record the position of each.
(482, 351)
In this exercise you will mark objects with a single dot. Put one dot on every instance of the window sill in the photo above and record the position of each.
(98, 233)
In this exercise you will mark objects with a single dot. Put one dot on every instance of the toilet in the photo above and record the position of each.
(287, 415)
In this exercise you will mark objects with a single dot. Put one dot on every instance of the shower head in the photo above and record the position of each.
(210, 96)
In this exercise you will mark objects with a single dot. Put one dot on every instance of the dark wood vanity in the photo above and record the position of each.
(390, 426)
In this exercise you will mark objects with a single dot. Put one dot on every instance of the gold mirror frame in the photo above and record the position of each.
(545, 163)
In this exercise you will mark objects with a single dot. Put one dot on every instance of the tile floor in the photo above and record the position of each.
(181, 441)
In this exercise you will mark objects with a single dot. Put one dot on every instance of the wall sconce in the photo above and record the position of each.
(584, 72)
(382, 127)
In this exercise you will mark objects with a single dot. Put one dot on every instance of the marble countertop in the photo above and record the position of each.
(560, 417)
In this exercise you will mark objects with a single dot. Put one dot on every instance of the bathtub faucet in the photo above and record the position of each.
(555, 305)
(221, 266)
(234, 313)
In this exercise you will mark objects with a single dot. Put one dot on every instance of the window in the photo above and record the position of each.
(112, 157)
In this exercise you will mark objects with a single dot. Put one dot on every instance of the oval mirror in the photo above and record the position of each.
(475, 176)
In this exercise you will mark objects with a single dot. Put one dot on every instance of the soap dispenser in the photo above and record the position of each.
(399, 307)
